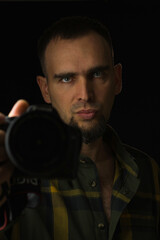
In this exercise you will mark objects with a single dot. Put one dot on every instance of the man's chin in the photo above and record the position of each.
(91, 130)
(87, 125)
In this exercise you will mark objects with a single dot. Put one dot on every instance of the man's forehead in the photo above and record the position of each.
(89, 50)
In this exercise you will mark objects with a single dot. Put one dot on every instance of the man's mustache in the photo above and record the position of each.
(81, 105)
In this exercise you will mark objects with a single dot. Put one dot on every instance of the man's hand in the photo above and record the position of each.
(6, 168)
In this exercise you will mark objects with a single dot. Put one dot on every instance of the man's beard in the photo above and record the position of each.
(91, 135)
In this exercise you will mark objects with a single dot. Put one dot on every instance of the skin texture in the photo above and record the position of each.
(83, 89)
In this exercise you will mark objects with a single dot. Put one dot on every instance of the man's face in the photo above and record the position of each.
(81, 80)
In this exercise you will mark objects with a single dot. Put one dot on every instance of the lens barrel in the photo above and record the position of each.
(40, 144)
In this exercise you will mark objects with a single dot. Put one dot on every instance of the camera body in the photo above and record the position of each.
(39, 144)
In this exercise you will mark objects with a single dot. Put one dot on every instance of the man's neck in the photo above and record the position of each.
(91, 150)
(97, 151)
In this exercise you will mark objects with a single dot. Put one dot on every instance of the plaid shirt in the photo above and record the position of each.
(73, 209)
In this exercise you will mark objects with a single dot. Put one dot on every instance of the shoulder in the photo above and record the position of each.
(148, 167)
(141, 158)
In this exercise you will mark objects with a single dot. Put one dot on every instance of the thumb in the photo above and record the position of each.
(19, 108)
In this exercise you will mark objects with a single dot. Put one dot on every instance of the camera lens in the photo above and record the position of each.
(35, 142)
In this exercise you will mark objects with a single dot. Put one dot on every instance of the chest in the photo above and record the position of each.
(106, 176)
(106, 193)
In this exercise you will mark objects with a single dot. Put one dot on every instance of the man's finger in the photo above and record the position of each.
(2, 136)
(19, 107)
(2, 118)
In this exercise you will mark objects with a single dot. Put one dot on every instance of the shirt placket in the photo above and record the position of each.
(92, 185)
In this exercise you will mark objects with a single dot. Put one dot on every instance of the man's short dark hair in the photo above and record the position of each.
(71, 28)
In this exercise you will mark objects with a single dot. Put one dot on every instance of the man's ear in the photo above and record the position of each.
(42, 82)
(118, 78)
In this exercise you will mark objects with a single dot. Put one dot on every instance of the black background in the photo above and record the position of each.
(135, 33)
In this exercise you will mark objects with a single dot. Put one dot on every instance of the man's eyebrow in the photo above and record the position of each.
(97, 69)
(64, 75)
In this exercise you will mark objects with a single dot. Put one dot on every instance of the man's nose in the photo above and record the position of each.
(85, 90)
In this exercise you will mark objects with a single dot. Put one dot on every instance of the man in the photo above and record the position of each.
(116, 194)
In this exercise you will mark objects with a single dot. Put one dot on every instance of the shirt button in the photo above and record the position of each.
(101, 226)
(93, 184)
(126, 191)
(82, 161)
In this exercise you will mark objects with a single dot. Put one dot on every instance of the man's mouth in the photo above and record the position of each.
(87, 114)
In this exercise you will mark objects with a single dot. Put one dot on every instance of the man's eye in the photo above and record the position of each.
(97, 74)
(66, 80)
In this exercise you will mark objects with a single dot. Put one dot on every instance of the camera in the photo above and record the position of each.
(39, 144)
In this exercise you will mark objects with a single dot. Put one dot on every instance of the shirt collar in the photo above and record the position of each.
(124, 158)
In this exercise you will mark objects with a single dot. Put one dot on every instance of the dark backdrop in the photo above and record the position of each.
(135, 32)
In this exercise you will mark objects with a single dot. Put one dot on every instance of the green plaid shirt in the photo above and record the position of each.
(73, 209)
